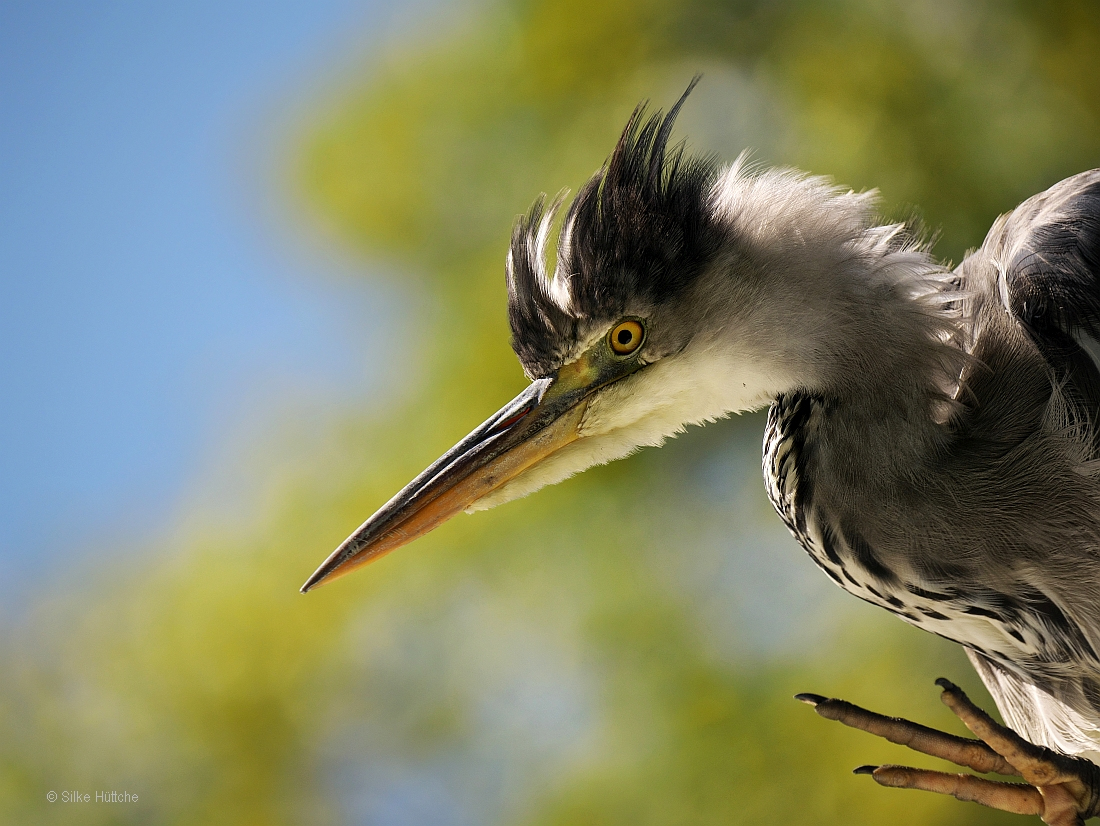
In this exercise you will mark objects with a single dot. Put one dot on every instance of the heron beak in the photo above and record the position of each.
(538, 422)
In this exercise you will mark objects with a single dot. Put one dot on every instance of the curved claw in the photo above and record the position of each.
(1064, 790)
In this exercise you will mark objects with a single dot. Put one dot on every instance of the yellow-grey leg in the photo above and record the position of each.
(1018, 798)
(1070, 786)
(1063, 790)
(974, 754)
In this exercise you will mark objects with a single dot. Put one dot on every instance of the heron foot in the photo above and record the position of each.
(1061, 789)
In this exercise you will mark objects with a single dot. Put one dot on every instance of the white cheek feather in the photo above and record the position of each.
(646, 408)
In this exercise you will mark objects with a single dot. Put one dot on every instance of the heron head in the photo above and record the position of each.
(620, 340)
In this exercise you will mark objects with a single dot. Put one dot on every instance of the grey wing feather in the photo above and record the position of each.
(1048, 255)
(1037, 715)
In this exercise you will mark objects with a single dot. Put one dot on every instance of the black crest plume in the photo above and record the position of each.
(638, 232)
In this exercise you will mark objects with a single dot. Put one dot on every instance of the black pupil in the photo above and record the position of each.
(625, 336)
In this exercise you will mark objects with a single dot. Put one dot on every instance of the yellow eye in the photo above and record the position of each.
(626, 337)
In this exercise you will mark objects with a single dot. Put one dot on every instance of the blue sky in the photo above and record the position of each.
(149, 300)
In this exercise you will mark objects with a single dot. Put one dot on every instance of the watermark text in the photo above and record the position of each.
(75, 796)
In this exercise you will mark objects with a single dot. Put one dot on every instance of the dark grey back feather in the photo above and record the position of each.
(1050, 248)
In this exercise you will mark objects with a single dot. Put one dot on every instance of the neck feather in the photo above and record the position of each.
(835, 303)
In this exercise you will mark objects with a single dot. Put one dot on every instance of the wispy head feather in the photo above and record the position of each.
(638, 232)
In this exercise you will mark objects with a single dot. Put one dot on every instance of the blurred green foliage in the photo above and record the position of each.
(594, 654)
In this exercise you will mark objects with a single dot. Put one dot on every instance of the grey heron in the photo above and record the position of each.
(933, 436)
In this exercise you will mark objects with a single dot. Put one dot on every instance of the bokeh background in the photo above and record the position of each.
(252, 283)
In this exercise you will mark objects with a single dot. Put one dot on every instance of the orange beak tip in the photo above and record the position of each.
(443, 493)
